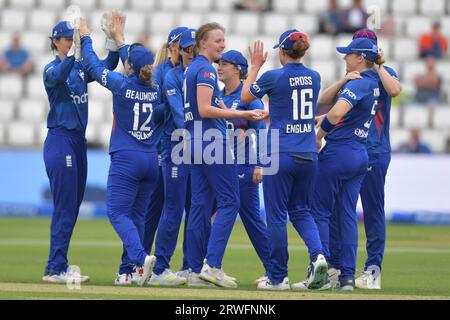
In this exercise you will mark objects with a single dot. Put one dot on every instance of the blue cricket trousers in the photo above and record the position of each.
(154, 210)
(372, 198)
(342, 167)
(209, 182)
(66, 165)
(289, 193)
(249, 212)
(176, 178)
(132, 177)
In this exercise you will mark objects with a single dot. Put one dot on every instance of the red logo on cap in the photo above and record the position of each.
(297, 35)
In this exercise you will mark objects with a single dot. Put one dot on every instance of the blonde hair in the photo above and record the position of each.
(145, 74)
(161, 55)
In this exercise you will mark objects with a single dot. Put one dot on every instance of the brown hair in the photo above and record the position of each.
(146, 74)
(202, 34)
(52, 45)
(299, 49)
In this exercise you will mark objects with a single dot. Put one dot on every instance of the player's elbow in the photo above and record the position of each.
(395, 92)
(246, 97)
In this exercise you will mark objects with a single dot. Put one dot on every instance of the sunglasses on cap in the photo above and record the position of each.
(189, 50)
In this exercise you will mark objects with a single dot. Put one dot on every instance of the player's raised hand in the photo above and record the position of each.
(83, 28)
(116, 28)
(257, 56)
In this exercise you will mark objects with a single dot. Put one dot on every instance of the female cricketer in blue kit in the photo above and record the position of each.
(233, 68)
(379, 151)
(343, 161)
(176, 176)
(133, 149)
(293, 91)
(210, 178)
(163, 64)
(65, 80)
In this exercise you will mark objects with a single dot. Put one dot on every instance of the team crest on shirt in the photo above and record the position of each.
(235, 104)
(81, 74)
(210, 75)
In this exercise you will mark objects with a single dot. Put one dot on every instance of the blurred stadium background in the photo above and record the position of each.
(417, 185)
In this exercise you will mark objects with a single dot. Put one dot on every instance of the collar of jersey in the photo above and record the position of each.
(238, 89)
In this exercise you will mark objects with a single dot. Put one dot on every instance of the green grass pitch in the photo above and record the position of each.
(416, 265)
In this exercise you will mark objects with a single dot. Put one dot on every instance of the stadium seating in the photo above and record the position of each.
(199, 6)
(286, 6)
(13, 20)
(416, 117)
(21, 133)
(143, 6)
(42, 20)
(24, 100)
(6, 110)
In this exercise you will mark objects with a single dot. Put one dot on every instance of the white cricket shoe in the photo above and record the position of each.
(369, 279)
(166, 279)
(331, 282)
(123, 279)
(149, 263)
(66, 277)
(137, 275)
(193, 280)
(217, 277)
(317, 272)
(261, 279)
(183, 273)
(205, 263)
(333, 276)
(267, 285)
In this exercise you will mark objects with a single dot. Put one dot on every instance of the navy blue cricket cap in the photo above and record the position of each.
(187, 38)
(175, 34)
(63, 29)
(366, 33)
(289, 38)
(139, 57)
(236, 58)
(361, 46)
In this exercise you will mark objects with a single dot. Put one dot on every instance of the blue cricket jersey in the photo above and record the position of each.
(245, 148)
(293, 92)
(66, 85)
(135, 105)
(362, 95)
(379, 138)
(201, 73)
(174, 114)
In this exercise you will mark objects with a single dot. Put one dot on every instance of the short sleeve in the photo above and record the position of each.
(207, 76)
(264, 84)
(352, 92)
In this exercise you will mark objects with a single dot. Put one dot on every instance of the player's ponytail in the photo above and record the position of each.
(161, 55)
(378, 61)
(145, 74)
(299, 49)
